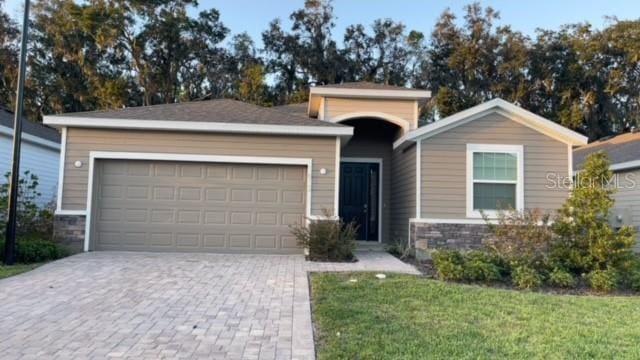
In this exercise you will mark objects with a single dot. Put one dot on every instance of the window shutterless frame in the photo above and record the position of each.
(518, 151)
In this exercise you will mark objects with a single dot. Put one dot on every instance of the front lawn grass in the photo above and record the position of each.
(6, 271)
(411, 317)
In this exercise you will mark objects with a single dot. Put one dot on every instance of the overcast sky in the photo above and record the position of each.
(253, 16)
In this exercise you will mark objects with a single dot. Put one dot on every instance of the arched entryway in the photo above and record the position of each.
(365, 176)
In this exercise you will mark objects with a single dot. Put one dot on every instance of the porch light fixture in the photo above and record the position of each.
(77, 164)
(323, 171)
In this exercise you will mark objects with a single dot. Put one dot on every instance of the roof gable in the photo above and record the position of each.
(511, 111)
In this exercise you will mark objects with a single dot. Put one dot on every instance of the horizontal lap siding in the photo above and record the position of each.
(444, 159)
(627, 199)
(81, 141)
(38, 160)
(338, 106)
(403, 192)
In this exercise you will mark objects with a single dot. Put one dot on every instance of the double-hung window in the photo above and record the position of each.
(494, 179)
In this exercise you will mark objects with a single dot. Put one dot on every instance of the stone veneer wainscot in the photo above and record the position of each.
(68, 230)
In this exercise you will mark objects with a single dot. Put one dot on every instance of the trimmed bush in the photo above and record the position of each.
(521, 238)
(604, 280)
(34, 251)
(327, 239)
(561, 278)
(449, 265)
(480, 266)
(525, 278)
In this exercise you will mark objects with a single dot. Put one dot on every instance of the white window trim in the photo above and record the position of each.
(518, 150)
(380, 185)
(94, 155)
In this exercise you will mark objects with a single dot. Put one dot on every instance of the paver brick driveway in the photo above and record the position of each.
(144, 305)
(152, 305)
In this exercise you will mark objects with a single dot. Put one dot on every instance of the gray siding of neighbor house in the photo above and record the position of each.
(404, 109)
(627, 199)
(403, 192)
(373, 148)
(322, 151)
(443, 164)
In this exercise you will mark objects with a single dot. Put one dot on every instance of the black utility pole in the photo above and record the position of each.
(10, 241)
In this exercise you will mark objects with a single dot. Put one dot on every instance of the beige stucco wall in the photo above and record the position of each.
(403, 191)
(405, 109)
(322, 151)
(627, 201)
(443, 164)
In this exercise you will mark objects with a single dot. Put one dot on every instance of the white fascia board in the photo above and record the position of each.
(31, 138)
(625, 165)
(198, 126)
(505, 108)
(371, 93)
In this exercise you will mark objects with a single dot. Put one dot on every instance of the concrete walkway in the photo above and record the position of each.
(148, 305)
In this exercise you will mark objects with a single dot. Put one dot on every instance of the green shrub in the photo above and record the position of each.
(604, 280)
(524, 277)
(327, 239)
(32, 251)
(561, 278)
(480, 266)
(632, 279)
(586, 241)
(449, 265)
(32, 221)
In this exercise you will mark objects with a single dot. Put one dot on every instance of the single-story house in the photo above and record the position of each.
(40, 153)
(624, 153)
(227, 176)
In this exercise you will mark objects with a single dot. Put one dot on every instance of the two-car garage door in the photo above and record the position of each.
(207, 207)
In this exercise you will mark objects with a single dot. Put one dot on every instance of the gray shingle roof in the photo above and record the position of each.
(620, 149)
(221, 110)
(294, 109)
(367, 85)
(32, 128)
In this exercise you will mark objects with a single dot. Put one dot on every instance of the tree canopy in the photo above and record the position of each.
(102, 54)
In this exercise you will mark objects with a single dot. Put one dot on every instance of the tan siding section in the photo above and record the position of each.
(403, 192)
(369, 148)
(627, 199)
(81, 141)
(444, 165)
(404, 109)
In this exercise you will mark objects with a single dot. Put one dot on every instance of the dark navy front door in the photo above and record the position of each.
(359, 197)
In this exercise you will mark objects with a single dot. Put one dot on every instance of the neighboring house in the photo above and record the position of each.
(624, 154)
(227, 176)
(40, 154)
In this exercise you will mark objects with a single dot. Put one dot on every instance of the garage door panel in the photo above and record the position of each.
(198, 207)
